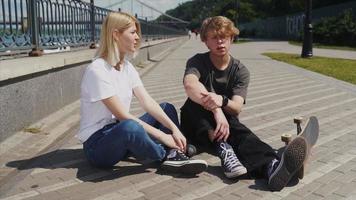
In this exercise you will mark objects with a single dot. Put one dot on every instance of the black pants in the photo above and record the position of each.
(253, 153)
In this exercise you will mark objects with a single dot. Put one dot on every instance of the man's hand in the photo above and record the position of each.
(211, 100)
(222, 130)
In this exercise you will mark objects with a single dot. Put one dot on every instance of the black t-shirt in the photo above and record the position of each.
(231, 81)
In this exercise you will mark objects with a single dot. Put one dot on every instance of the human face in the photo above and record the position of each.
(218, 45)
(128, 40)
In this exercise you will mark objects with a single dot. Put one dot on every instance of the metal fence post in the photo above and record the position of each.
(35, 39)
(92, 24)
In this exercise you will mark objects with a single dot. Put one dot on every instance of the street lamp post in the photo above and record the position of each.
(307, 50)
(92, 24)
(237, 15)
(237, 12)
(35, 38)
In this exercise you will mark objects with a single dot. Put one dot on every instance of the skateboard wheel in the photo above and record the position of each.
(298, 120)
(286, 138)
(191, 150)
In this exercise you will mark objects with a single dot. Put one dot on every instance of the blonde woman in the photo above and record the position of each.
(108, 131)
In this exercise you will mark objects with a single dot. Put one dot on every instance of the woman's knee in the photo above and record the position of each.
(131, 128)
(130, 125)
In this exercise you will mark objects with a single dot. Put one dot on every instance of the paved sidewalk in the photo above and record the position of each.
(277, 93)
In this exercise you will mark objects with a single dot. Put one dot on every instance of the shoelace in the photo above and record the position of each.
(273, 166)
(181, 154)
(230, 159)
(177, 153)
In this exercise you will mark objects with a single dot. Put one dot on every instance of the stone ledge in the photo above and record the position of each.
(18, 67)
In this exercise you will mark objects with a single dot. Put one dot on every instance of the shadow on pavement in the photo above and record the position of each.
(75, 159)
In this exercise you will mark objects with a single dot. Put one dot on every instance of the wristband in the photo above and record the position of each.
(225, 101)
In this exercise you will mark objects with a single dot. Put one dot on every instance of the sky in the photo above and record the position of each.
(142, 11)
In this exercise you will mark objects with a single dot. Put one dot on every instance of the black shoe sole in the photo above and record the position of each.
(188, 167)
(292, 160)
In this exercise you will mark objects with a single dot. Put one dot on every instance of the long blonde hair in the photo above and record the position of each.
(108, 48)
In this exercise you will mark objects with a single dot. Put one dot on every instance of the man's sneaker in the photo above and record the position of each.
(292, 159)
(229, 161)
(272, 166)
(177, 162)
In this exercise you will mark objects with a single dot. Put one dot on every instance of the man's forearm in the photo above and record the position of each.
(234, 105)
(194, 90)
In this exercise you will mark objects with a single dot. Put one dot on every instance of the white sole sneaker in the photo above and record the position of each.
(239, 172)
(185, 167)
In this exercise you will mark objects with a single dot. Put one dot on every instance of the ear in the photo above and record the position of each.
(116, 35)
(206, 44)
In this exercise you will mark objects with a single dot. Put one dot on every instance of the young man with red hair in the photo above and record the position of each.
(216, 84)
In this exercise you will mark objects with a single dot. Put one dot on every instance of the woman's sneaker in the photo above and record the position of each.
(280, 172)
(229, 161)
(177, 162)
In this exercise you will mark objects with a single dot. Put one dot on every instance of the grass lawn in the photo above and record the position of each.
(342, 69)
(316, 45)
(242, 40)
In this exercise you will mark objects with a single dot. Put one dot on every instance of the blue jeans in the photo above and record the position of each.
(115, 141)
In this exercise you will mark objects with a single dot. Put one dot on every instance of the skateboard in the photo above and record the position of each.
(310, 132)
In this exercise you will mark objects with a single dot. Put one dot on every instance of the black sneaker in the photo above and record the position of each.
(229, 161)
(292, 160)
(177, 162)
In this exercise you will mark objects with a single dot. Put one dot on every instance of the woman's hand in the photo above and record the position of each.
(179, 138)
(168, 140)
(222, 130)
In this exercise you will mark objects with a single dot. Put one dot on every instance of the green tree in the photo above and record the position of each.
(249, 10)
(339, 30)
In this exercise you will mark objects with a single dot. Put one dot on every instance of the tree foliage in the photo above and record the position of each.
(240, 10)
(339, 30)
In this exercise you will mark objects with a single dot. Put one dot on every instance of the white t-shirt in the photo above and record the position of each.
(101, 81)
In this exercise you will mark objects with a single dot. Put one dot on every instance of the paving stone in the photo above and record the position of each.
(346, 190)
(291, 196)
(230, 189)
(327, 178)
(51, 195)
(348, 177)
(327, 189)
(159, 189)
(167, 195)
(313, 196)
(333, 197)
(307, 189)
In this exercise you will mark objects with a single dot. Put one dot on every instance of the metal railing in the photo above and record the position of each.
(43, 24)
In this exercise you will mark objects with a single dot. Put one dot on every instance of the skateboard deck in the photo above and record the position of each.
(311, 131)
(311, 134)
